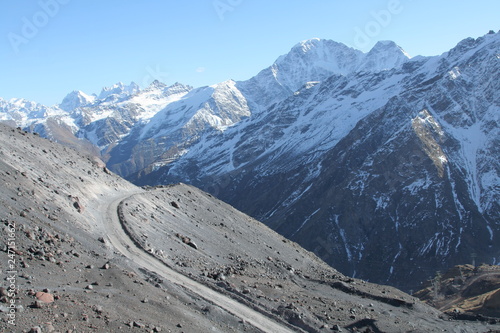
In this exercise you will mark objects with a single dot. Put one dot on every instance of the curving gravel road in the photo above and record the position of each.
(126, 246)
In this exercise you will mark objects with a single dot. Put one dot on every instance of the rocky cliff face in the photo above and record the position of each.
(464, 291)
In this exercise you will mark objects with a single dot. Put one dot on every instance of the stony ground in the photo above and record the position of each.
(60, 273)
(211, 242)
(60, 248)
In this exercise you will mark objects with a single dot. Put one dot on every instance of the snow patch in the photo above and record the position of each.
(454, 73)
(305, 221)
(343, 237)
(490, 231)
(418, 185)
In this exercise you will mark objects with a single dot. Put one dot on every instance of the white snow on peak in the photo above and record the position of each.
(392, 46)
(385, 55)
(76, 99)
(308, 44)
(318, 59)
(314, 60)
(120, 90)
(218, 106)
(24, 112)
(157, 97)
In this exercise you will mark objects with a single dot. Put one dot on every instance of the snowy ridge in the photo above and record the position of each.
(118, 92)
(75, 100)
(89, 117)
(316, 60)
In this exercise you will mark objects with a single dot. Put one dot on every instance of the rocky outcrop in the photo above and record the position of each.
(465, 291)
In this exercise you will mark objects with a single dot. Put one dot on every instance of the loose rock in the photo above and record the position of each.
(44, 297)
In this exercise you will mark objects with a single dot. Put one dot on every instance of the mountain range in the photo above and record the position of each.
(383, 165)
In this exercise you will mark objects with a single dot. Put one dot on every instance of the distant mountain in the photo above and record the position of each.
(173, 130)
(76, 99)
(384, 165)
(100, 121)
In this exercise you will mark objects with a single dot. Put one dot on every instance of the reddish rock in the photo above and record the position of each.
(44, 297)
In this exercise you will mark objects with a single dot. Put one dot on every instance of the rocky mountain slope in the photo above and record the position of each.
(465, 291)
(68, 264)
(53, 236)
(387, 175)
(384, 166)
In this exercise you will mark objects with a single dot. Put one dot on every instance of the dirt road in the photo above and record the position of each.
(126, 246)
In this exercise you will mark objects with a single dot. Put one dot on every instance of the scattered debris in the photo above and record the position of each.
(37, 304)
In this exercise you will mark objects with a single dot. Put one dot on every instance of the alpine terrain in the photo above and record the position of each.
(83, 250)
(385, 166)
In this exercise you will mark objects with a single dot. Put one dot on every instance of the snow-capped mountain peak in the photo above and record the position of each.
(177, 88)
(164, 89)
(118, 91)
(383, 56)
(76, 99)
(308, 44)
(156, 85)
(310, 60)
(156, 97)
(21, 111)
(389, 47)
(315, 60)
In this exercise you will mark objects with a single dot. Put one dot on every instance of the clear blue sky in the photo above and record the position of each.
(48, 50)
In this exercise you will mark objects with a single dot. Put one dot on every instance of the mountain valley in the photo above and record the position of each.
(384, 166)
(84, 250)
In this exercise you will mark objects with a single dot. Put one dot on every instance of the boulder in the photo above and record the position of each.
(44, 297)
